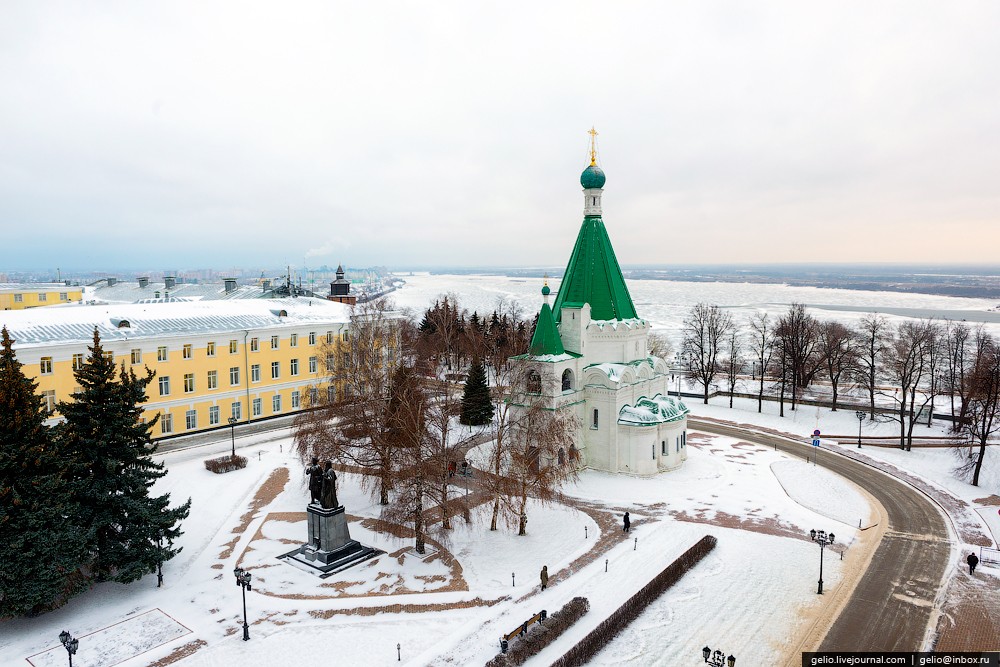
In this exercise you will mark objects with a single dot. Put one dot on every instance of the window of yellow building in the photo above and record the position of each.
(343, 336)
(187, 351)
(63, 296)
(161, 353)
(257, 409)
(210, 349)
(46, 365)
(312, 337)
(313, 365)
(42, 296)
(234, 345)
(18, 298)
(234, 376)
(77, 362)
(49, 397)
(276, 403)
(293, 340)
(188, 383)
(254, 344)
(296, 399)
(294, 364)
(329, 337)
(167, 423)
(164, 385)
(190, 420)
(213, 415)
(236, 411)
(136, 355)
(275, 370)
(255, 373)
(274, 342)
(213, 379)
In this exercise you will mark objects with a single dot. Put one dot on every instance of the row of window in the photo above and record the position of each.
(42, 296)
(234, 376)
(236, 410)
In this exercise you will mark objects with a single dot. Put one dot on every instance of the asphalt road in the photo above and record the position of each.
(891, 607)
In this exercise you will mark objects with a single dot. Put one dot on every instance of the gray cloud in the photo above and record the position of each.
(403, 133)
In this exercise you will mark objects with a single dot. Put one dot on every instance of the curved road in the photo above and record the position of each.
(891, 606)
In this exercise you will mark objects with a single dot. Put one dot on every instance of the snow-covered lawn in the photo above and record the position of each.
(755, 592)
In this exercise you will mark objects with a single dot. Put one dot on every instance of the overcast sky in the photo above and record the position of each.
(155, 135)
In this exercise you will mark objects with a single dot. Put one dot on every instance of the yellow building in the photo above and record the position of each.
(19, 296)
(247, 359)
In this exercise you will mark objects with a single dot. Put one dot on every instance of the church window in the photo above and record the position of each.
(663, 447)
(684, 439)
(534, 382)
(653, 450)
(594, 423)
(677, 445)
(567, 380)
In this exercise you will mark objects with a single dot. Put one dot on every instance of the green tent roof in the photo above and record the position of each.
(546, 339)
(593, 276)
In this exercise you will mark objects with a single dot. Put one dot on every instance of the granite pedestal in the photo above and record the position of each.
(330, 548)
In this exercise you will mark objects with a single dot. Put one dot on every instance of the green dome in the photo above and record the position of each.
(545, 290)
(592, 177)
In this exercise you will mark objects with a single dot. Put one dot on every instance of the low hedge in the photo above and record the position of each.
(609, 628)
(540, 636)
(226, 464)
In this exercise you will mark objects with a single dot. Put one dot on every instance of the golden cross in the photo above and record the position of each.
(593, 146)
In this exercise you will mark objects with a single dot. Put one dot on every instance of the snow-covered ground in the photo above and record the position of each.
(755, 593)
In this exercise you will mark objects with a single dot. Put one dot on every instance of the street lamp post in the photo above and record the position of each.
(821, 538)
(159, 557)
(70, 643)
(718, 658)
(243, 581)
(860, 414)
(232, 433)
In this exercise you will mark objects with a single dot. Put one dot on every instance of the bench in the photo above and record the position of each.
(521, 630)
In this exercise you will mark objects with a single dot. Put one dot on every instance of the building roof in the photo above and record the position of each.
(593, 276)
(76, 323)
(546, 338)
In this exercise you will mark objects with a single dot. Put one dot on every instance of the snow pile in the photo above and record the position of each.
(823, 492)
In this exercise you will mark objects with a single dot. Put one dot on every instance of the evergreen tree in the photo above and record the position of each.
(115, 471)
(41, 548)
(477, 404)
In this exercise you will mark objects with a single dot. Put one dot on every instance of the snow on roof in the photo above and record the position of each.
(131, 292)
(43, 326)
(657, 410)
(614, 370)
(630, 323)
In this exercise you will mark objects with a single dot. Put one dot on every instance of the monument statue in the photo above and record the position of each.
(328, 498)
(315, 472)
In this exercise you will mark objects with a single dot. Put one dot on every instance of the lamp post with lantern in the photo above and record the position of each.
(243, 581)
(860, 414)
(70, 643)
(232, 433)
(718, 658)
(823, 539)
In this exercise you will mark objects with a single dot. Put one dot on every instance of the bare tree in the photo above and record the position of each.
(346, 421)
(907, 365)
(734, 361)
(984, 400)
(873, 333)
(837, 349)
(762, 348)
(957, 362)
(799, 332)
(659, 345)
(535, 464)
(706, 328)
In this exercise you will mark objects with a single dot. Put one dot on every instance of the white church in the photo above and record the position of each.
(589, 354)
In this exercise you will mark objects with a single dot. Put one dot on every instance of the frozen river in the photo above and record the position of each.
(665, 303)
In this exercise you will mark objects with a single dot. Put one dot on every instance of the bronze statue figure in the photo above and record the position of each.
(315, 472)
(329, 494)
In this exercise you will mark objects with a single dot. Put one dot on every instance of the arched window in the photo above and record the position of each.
(534, 382)
(561, 456)
(567, 380)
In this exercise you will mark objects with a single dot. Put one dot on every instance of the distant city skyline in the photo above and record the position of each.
(453, 134)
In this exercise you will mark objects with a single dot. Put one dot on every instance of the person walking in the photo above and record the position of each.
(627, 523)
(973, 561)
(544, 576)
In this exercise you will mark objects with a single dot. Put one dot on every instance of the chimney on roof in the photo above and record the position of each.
(169, 282)
(143, 282)
(112, 282)
(230, 284)
(266, 285)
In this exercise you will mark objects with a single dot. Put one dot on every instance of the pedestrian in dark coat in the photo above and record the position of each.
(973, 561)
(627, 523)
(544, 576)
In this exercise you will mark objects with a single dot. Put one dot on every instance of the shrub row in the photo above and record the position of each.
(602, 635)
(226, 464)
(540, 635)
